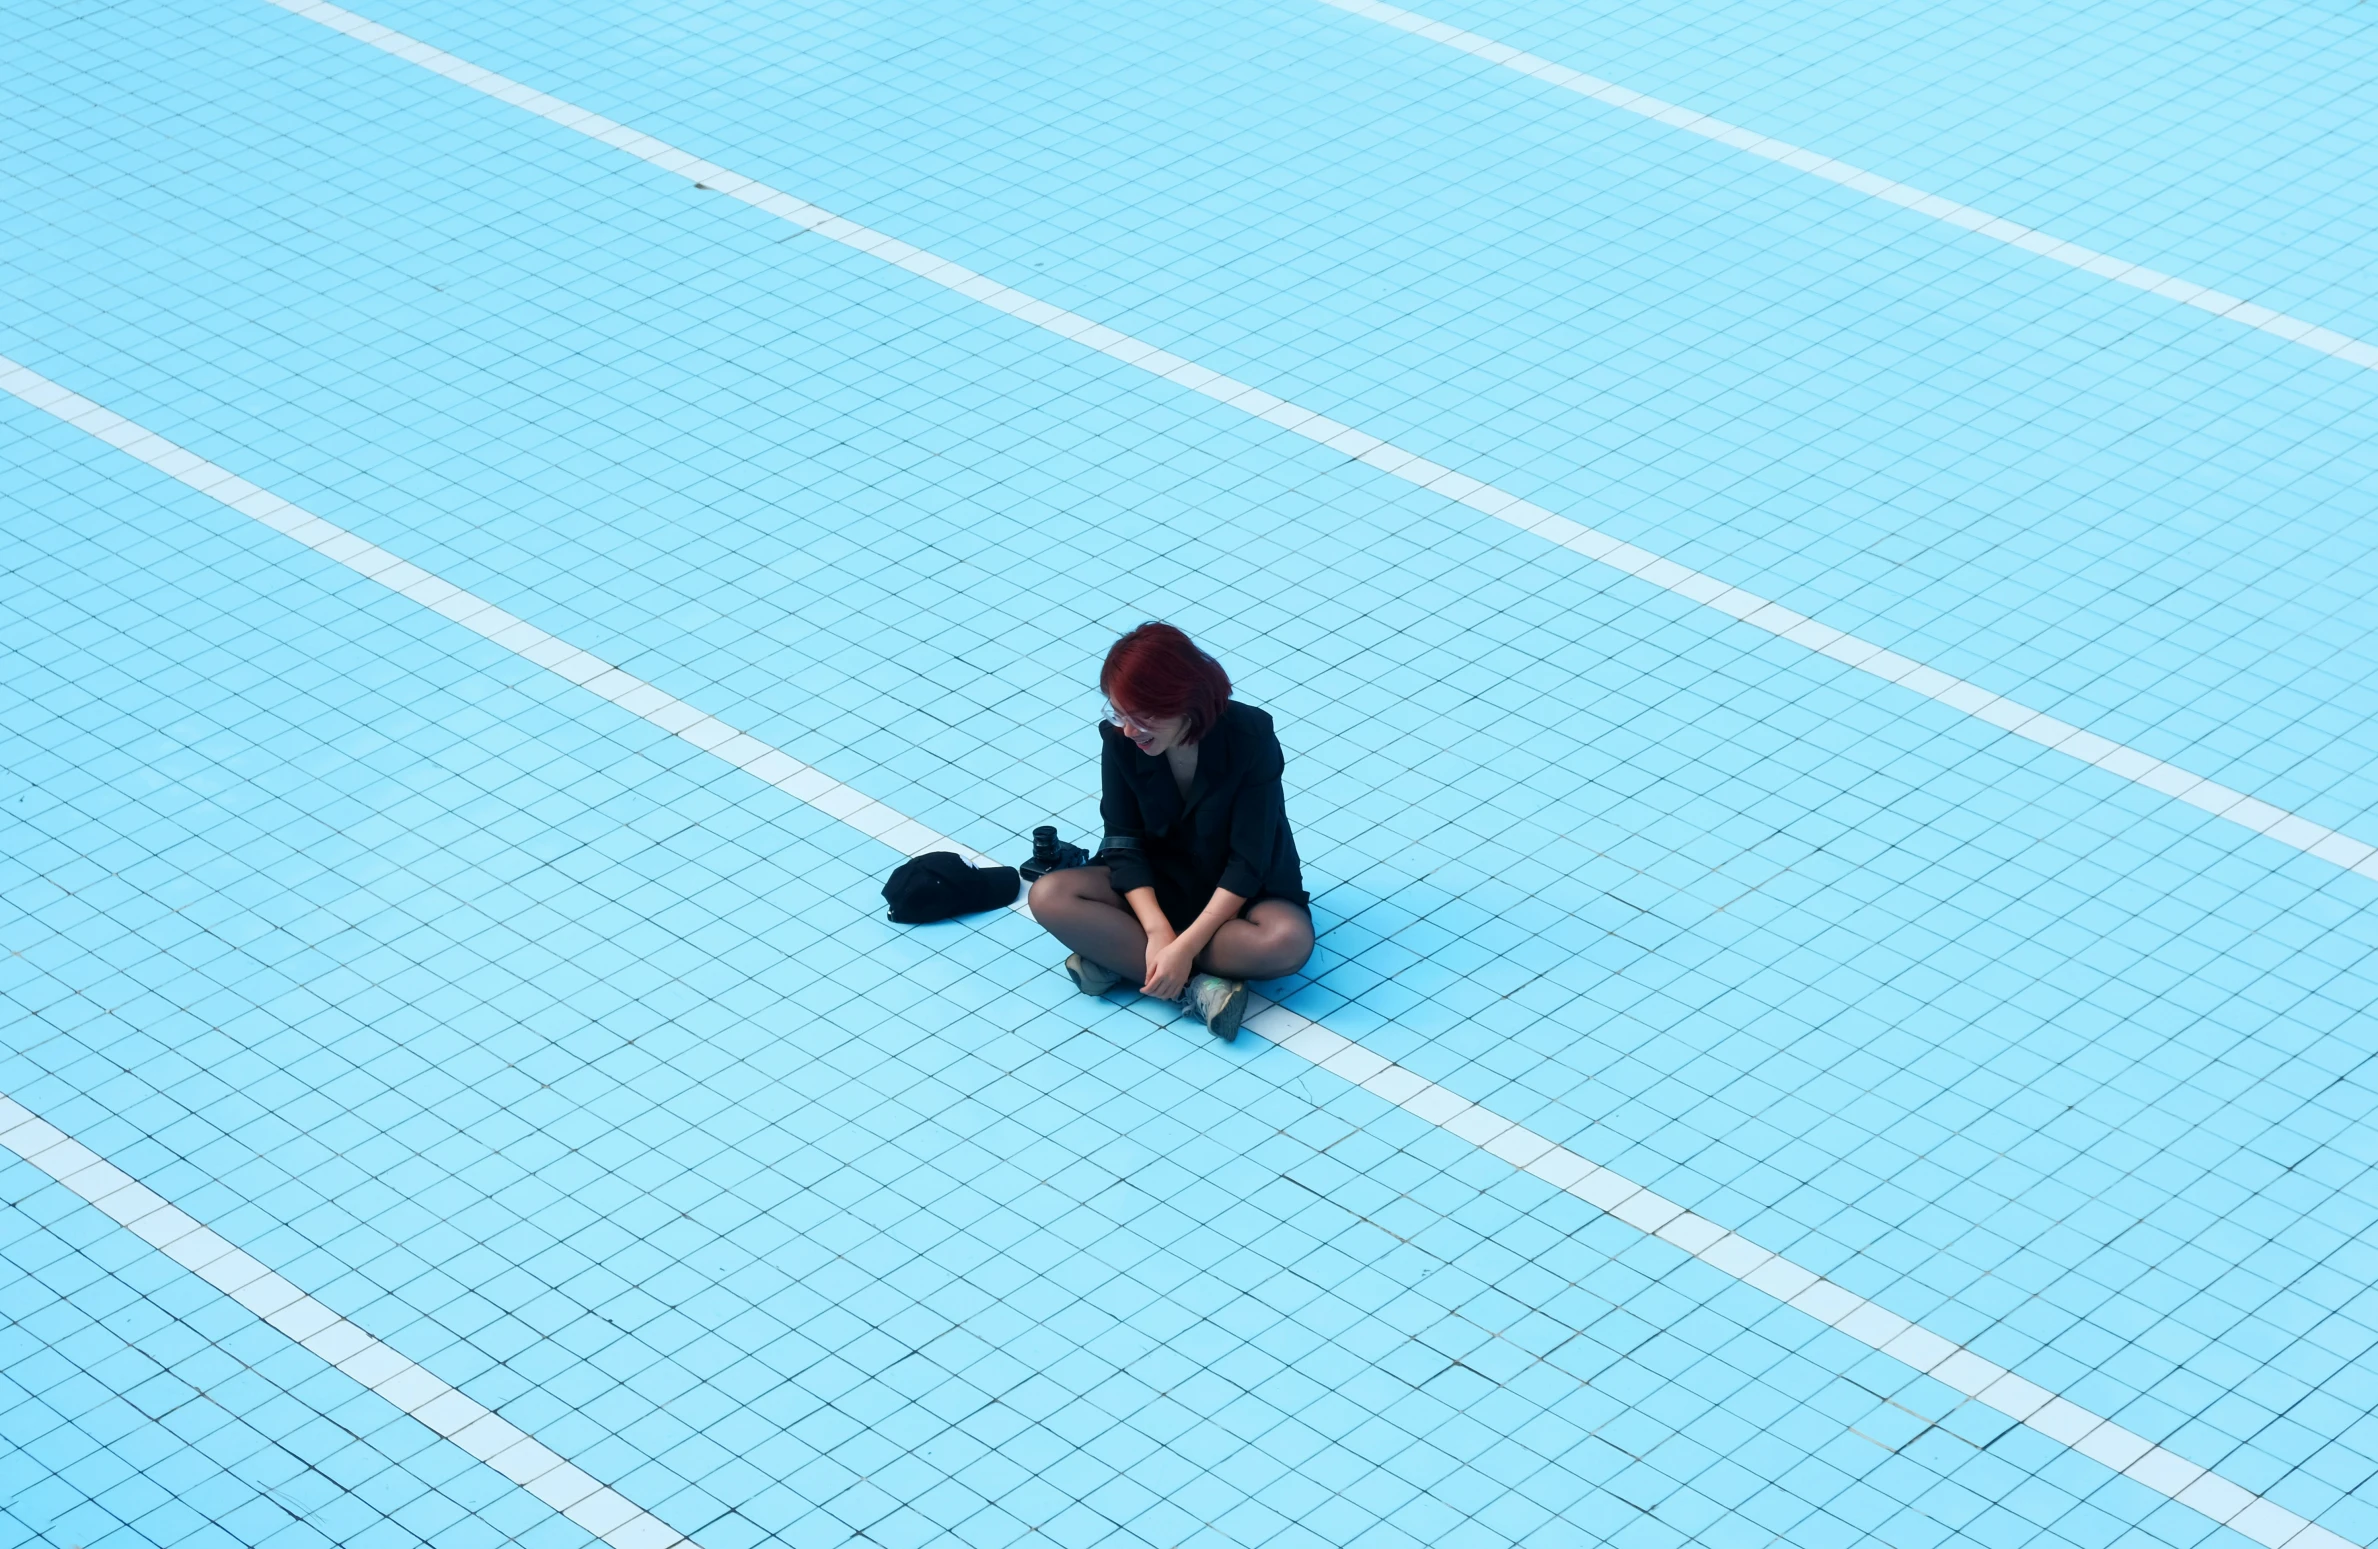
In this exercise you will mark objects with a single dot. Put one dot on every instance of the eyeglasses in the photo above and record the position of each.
(1128, 722)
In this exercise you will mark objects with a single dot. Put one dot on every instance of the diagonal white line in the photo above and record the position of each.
(1942, 1359)
(428, 1398)
(2261, 1519)
(481, 617)
(1971, 698)
(1965, 217)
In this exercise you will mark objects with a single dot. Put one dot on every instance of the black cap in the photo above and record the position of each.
(941, 886)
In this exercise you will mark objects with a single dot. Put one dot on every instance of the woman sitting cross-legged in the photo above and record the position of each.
(1197, 887)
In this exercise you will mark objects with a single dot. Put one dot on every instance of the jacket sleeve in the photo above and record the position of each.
(1257, 810)
(1123, 851)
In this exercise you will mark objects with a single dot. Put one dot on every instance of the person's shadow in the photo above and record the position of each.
(1386, 946)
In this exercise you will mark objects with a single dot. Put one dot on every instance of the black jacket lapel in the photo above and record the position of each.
(1213, 766)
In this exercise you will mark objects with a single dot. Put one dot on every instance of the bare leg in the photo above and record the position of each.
(1274, 937)
(1081, 908)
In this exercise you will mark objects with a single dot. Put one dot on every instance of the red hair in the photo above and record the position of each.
(1158, 672)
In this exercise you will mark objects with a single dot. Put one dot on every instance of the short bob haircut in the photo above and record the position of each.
(1157, 672)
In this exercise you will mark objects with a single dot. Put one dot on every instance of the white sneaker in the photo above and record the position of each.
(1222, 1002)
(1088, 977)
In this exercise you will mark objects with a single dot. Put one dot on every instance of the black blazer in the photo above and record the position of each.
(1230, 832)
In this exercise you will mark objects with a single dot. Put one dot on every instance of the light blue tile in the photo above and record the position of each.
(589, 1072)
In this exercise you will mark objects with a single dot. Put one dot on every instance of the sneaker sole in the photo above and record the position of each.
(1225, 1024)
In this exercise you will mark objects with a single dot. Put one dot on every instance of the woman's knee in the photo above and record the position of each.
(1286, 937)
(1068, 892)
(1052, 894)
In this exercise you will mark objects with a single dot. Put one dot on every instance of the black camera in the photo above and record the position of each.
(1048, 855)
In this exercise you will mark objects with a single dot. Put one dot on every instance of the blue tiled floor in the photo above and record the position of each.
(582, 1068)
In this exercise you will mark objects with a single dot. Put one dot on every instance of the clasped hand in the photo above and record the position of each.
(1170, 962)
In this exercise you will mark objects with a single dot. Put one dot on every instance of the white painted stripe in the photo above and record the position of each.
(1965, 217)
(2262, 1520)
(1972, 699)
(428, 1398)
(1944, 1360)
(484, 618)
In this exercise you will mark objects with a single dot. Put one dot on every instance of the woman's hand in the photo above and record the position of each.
(1169, 965)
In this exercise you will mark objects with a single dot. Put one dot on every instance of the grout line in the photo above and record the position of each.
(428, 1398)
(483, 618)
(1972, 699)
(2237, 309)
(2125, 1451)
(1942, 1359)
